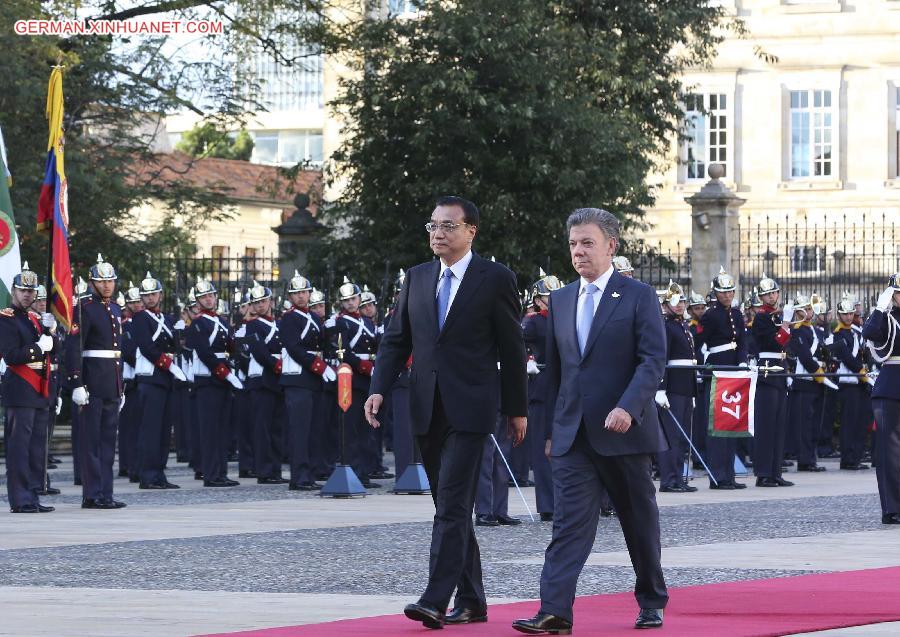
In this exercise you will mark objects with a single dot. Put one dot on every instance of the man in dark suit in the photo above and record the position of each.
(606, 353)
(458, 317)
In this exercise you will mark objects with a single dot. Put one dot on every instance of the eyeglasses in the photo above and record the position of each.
(444, 226)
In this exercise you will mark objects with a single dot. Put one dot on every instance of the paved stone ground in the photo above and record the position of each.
(201, 560)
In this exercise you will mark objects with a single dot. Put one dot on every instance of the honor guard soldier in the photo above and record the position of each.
(847, 347)
(696, 308)
(623, 266)
(266, 397)
(210, 338)
(154, 334)
(194, 430)
(825, 401)
(130, 415)
(303, 371)
(772, 332)
(368, 308)
(54, 400)
(27, 340)
(807, 385)
(240, 410)
(81, 292)
(534, 329)
(722, 331)
(359, 343)
(93, 361)
(676, 393)
(881, 329)
(324, 436)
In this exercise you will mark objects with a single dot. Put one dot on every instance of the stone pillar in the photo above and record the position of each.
(295, 235)
(714, 232)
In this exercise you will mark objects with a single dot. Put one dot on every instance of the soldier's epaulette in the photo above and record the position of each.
(8, 311)
(34, 314)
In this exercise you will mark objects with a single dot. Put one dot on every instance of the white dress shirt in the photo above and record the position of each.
(601, 283)
(459, 271)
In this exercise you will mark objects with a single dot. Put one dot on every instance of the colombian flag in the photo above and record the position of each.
(53, 208)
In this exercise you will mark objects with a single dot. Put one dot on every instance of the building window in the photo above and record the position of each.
(298, 87)
(707, 132)
(219, 256)
(897, 131)
(811, 134)
(288, 147)
(807, 259)
(250, 266)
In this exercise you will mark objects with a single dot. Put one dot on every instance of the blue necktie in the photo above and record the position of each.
(443, 297)
(587, 316)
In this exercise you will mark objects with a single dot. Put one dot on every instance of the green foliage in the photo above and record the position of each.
(530, 108)
(205, 140)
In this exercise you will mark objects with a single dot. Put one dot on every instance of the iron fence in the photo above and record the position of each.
(656, 267)
(829, 258)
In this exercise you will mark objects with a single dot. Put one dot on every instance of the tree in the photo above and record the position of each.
(205, 140)
(117, 90)
(530, 108)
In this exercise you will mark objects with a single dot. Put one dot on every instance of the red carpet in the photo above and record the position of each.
(760, 607)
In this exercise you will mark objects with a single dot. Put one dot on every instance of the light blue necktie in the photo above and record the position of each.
(587, 316)
(443, 297)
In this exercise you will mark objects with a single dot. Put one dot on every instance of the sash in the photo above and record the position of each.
(38, 383)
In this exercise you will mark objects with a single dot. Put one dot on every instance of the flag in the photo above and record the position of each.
(10, 260)
(345, 386)
(53, 208)
(731, 399)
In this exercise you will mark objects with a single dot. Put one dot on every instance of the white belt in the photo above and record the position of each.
(365, 357)
(53, 367)
(101, 353)
(317, 354)
(727, 347)
(893, 360)
(221, 354)
(771, 355)
(681, 362)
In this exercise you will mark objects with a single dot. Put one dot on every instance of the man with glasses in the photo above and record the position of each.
(458, 316)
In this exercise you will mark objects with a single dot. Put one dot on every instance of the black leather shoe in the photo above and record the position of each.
(649, 618)
(766, 482)
(890, 518)
(371, 485)
(218, 483)
(786, 464)
(123, 473)
(781, 482)
(28, 508)
(546, 517)
(89, 503)
(134, 479)
(810, 467)
(305, 486)
(54, 460)
(607, 513)
(45, 509)
(271, 481)
(467, 616)
(49, 491)
(77, 482)
(381, 475)
(52, 465)
(430, 616)
(678, 488)
(728, 485)
(170, 485)
(246, 473)
(483, 519)
(543, 624)
(198, 475)
(152, 486)
(854, 466)
(506, 520)
(117, 504)
(830, 454)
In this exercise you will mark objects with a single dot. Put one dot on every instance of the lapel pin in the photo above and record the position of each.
(615, 295)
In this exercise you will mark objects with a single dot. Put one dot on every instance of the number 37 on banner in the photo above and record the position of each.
(731, 399)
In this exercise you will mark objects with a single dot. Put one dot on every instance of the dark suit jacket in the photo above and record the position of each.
(482, 328)
(622, 366)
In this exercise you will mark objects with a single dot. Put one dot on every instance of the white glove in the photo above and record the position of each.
(48, 321)
(329, 375)
(45, 342)
(744, 365)
(175, 370)
(234, 380)
(884, 300)
(80, 396)
(121, 403)
(787, 313)
(532, 367)
(58, 405)
(179, 324)
(661, 399)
